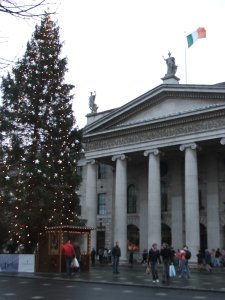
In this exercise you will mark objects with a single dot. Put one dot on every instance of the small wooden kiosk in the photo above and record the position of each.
(49, 256)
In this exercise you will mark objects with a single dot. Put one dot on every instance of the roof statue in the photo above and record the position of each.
(171, 66)
(93, 107)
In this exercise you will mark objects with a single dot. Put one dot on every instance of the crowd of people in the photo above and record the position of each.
(174, 263)
(210, 259)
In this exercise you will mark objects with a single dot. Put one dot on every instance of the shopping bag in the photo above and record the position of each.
(172, 271)
(148, 270)
(74, 263)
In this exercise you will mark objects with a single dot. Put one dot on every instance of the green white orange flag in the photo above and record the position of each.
(200, 33)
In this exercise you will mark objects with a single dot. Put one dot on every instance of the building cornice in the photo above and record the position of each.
(173, 128)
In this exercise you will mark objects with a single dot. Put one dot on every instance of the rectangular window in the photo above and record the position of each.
(102, 171)
(102, 204)
(131, 199)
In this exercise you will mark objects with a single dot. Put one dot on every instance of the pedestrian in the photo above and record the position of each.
(93, 254)
(116, 253)
(69, 253)
(217, 257)
(131, 257)
(110, 256)
(208, 261)
(200, 259)
(100, 255)
(187, 257)
(154, 260)
(78, 256)
(184, 268)
(105, 256)
(144, 257)
(167, 258)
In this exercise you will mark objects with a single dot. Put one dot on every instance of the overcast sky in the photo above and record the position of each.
(116, 47)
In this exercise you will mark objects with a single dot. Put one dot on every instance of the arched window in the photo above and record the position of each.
(131, 199)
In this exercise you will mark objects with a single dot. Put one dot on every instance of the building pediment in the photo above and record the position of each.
(163, 103)
(167, 116)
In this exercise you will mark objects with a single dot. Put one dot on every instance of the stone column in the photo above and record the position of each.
(192, 225)
(154, 197)
(212, 198)
(120, 215)
(91, 199)
(176, 193)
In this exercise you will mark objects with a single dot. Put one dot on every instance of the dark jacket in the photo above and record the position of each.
(154, 256)
(116, 251)
(166, 254)
(208, 259)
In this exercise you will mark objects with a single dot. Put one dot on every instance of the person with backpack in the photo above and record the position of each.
(187, 256)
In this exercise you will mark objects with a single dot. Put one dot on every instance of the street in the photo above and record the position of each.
(53, 289)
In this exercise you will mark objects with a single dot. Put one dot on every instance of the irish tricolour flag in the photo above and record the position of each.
(198, 34)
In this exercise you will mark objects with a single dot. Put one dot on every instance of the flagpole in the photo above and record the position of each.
(185, 57)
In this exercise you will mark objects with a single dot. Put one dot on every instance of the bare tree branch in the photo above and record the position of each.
(17, 9)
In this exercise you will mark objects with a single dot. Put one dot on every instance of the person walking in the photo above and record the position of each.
(154, 260)
(187, 257)
(131, 257)
(116, 253)
(69, 253)
(93, 254)
(166, 255)
(217, 258)
(144, 257)
(208, 261)
(200, 259)
(183, 264)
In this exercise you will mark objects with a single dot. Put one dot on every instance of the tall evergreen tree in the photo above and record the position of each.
(41, 144)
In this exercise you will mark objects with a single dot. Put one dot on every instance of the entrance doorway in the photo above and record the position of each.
(203, 237)
(100, 240)
(132, 237)
(166, 234)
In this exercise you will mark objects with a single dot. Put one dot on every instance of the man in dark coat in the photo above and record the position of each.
(167, 258)
(154, 259)
(116, 253)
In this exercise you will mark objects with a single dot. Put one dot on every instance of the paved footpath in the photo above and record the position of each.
(200, 280)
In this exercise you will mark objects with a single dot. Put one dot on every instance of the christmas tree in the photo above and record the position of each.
(40, 143)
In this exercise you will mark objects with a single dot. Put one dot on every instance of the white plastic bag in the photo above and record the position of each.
(75, 263)
(172, 271)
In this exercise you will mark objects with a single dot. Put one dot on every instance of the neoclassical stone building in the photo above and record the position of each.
(154, 169)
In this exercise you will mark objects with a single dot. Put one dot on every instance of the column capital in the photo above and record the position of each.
(193, 146)
(222, 141)
(153, 151)
(119, 156)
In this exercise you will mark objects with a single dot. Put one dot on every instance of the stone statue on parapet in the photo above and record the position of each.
(93, 107)
(171, 66)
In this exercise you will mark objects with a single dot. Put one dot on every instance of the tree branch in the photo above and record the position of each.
(22, 10)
